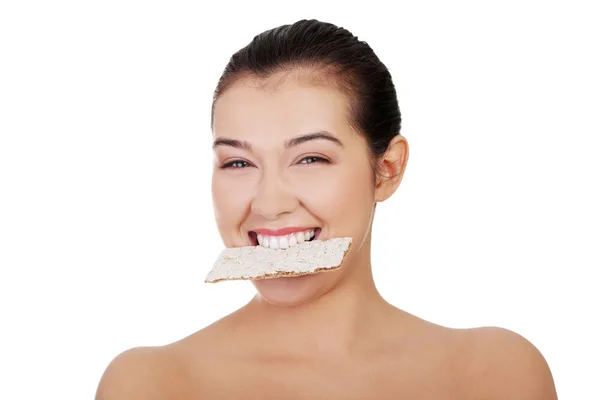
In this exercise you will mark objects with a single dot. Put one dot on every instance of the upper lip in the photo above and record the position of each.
(281, 231)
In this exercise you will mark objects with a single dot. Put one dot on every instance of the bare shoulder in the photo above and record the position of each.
(149, 373)
(178, 370)
(500, 363)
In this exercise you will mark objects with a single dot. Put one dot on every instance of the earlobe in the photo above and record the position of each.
(391, 168)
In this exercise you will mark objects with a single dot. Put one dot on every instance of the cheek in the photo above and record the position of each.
(341, 195)
(230, 201)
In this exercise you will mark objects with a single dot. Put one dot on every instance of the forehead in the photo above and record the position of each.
(261, 109)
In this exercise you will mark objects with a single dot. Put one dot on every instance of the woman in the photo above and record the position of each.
(307, 141)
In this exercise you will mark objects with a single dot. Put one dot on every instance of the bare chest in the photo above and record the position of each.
(351, 381)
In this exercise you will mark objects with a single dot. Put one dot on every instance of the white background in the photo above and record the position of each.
(106, 224)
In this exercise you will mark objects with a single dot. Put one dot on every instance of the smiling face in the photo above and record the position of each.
(287, 163)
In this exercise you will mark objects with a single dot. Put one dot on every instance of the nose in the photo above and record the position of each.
(273, 197)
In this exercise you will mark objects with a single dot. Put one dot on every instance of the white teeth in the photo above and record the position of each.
(273, 242)
(283, 242)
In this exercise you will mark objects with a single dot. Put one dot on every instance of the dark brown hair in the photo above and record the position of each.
(334, 52)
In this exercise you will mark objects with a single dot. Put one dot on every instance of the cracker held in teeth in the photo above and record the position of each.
(258, 262)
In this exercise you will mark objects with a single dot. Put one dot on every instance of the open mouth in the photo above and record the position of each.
(284, 241)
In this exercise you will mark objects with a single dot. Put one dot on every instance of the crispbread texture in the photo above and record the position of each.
(257, 262)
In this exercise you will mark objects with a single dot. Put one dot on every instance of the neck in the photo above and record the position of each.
(334, 322)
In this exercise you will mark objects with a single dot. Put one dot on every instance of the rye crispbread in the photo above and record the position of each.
(258, 262)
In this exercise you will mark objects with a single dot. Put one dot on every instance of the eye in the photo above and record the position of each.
(313, 159)
(235, 164)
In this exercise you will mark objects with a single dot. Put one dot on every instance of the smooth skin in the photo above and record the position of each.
(330, 335)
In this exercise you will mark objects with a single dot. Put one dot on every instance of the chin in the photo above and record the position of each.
(294, 291)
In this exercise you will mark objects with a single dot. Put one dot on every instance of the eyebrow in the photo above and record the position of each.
(242, 144)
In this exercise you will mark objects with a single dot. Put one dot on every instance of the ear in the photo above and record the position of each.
(391, 168)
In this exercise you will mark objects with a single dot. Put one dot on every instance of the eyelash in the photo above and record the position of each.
(315, 158)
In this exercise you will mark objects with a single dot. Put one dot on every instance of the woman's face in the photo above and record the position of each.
(287, 163)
